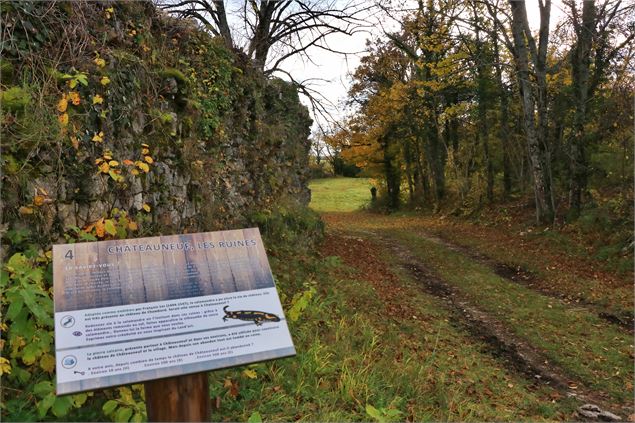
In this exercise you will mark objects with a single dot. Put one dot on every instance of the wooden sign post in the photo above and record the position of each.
(179, 399)
(164, 311)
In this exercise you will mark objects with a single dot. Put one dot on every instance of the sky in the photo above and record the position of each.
(337, 69)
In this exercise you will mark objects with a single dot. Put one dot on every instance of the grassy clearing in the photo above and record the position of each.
(597, 353)
(339, 194)
(360, 361)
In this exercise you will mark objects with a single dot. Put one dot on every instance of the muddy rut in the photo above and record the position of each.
(517, 354)
(525, 277)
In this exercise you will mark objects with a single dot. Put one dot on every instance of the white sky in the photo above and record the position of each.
(337, 69)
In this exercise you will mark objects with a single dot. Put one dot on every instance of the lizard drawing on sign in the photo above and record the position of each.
(250, 315)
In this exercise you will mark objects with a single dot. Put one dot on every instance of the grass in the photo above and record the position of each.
(352, 354)
(558, 270)
(585, 346)
(339, 194)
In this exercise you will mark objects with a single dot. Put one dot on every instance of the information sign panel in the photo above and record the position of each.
(133, 310)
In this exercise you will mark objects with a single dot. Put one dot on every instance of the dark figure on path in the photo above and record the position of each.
(373, 194)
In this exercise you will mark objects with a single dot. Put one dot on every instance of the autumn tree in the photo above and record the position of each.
(379, 93)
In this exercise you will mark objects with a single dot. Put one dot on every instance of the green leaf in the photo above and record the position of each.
(22, 325)
(46, 403)
(43, 388)
(30, 353)
(115, 176)
(137, 418)
(15, 306)
(255, 418)
(79, 400)
(300, 303)
(4, 279)
(39, 308)
(123, 414)
(109, 226)
(19, 373)
(35, 275)
(392, 412)
(18, 263)
(374, 413)
(84, 236)
(61, 406)
(109, 407)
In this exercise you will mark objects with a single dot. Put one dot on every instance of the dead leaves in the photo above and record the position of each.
(232, 387)
(74, 97)
(62, 105)
(40, 198)
(25, 210)
(98, 137)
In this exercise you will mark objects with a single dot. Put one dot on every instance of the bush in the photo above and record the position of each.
(289, 224)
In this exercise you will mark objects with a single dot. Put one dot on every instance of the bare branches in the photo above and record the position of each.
(271, 32)
(277, 30)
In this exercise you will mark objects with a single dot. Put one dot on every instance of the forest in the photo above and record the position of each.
(468, 104)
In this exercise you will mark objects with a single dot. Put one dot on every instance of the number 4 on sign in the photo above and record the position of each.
(69, 254)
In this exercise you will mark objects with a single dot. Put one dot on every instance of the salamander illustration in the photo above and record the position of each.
(258, 317)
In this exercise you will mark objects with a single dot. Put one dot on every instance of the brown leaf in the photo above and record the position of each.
(38, 200)
(25, 210)
(232, 386)
(100, 228)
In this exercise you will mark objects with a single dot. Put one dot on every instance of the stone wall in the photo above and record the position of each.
(193, 137)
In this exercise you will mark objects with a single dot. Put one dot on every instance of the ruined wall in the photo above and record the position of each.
(114, 106)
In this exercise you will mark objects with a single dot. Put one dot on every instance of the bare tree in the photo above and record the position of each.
(272, 31)
(275, 30)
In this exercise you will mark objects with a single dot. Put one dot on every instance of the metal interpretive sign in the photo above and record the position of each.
(134, 310)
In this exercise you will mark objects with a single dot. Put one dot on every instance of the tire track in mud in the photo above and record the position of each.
(529, 279)
(517, 354)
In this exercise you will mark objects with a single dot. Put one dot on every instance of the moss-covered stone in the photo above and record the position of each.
(15, 99)
(223, 141)
(6, 73)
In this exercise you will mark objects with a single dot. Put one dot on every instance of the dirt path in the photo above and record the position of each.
(518, 354)
(526, 277)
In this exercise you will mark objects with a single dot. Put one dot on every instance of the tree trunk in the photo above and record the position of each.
(581, 63)
(393, 177)
(261, 41)
(223, 25)
(436, 155)
(422, 186)
(535, 132)
(503, 132)
(408, 163)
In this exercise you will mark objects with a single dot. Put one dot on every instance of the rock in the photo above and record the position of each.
(255, 157)
(592, 411)
(67, 214)
(138, 122)
(607, 416)
(170, 86)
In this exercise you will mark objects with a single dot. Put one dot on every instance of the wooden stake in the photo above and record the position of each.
(179, 399)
